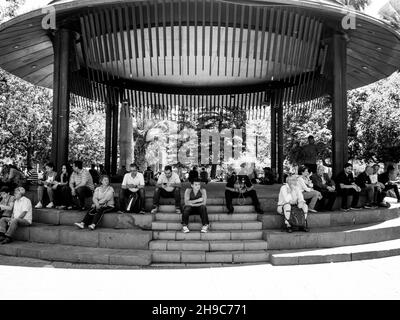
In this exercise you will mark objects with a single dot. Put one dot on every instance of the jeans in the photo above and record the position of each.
(50, 193)
(63, 196)
(313, 195)
(331, 197)
(83, 193)
(9, 231)
(188, 211)
(161, 192)
(344, 193)
(395, 188)
(94, 216)
(230, 195)
(124, 199)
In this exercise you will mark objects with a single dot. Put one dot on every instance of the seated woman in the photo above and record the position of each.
(307, 188)
(290, 195)
(62, 190)
(103, 202)
(47, 183)
(195, 204)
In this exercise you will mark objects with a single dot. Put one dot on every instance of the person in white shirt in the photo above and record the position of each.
(21, 217)
(168, 186)
(133, 183)
(306, 187)
(290, 195)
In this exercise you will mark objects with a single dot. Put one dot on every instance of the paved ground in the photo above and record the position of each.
(373, 279)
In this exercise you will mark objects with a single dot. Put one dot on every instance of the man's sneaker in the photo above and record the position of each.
(39, 205)
(344, 209)
(313, 210)
(355, 208)
(80, 225)
(50, 205)
(92, 227)
(70, 208)
(368, 206)
(185, 229)
(142, 212)
(178, 211)
(204, 229)
(154, 211)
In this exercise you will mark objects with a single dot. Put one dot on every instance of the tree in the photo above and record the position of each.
(390, 13)
(8, 9)
(356, 4)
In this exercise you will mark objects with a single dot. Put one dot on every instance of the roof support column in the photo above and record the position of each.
(61, 91)
(114, 143)
(280, 141)
(107, 162)
(273, 139)
(339, 104)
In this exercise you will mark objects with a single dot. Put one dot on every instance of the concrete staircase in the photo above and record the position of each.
(232, 239)
(156, 240)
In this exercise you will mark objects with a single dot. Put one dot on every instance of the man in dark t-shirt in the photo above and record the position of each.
(346, 186)
(240, 186)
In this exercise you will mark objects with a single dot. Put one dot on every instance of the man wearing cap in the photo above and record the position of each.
(21, 217)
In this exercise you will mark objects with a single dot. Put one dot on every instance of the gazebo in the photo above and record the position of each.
(151, 57)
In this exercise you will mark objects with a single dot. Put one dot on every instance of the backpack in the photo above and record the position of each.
(134, 204)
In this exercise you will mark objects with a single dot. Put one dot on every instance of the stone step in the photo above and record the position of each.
(210, 236)
(213, 217)
(334, 219)
(208, 246)
(195, 257)
(212, 209)
(334, 236)
(72, 236)
(73, 254)
(214, 226)
(341, 254)
(68, 218)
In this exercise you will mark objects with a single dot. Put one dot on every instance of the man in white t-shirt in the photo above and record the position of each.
(168, 186)
(21, 217)
(133, 183)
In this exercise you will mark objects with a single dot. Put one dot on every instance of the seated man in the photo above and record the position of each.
(149, 177)
(388, 180)
(269, 177)
(133, 183)
(326, 186)
(346, 186)
(195, 204)
(374, 190)
(81, 184)
(204, 176)
(47, 183)
(240, 186)
(168, 186)
(6, 203)
(21, 216)
(193, 174)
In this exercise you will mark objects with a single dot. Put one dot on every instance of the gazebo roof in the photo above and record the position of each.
(252, 45)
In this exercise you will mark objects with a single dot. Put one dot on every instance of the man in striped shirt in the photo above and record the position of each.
(81, 183)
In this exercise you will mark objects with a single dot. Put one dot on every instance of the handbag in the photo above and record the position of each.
(297, 218)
